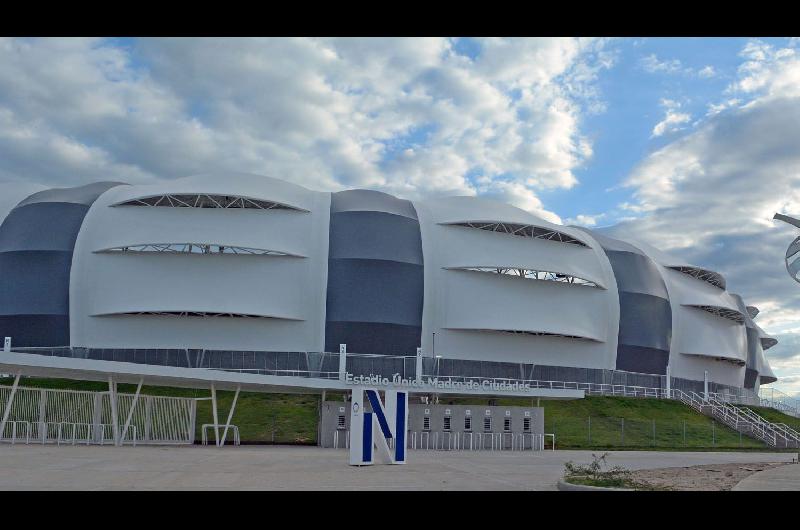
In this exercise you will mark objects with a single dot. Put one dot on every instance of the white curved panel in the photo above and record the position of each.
(721, 312)
(767, 340)
(517, 348)
(462, 307)
(527, 230)
(692, 367)
(766, 375)
(170, 282)
(271, 229)
(210, 333)
(289, 289)
(465, 247)
(698, 337)
(456, 209)
(691, 291)
(482, 301)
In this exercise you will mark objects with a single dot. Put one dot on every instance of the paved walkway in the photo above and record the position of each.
(783, 478)
(50, 467)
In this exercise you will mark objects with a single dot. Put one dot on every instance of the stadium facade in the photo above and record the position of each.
(231, 271)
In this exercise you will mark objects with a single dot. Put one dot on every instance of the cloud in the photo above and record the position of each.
(409, 116)
(709, 196)
(652, 64)
(585, 220)
(672, 118)
(706, 72)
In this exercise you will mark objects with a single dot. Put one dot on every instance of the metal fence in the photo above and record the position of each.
(609, 432)
(326, 365)
(52, 415)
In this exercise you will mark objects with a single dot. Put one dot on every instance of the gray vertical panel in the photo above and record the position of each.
(753, 344)
(37, 239)
(645, 315)
(375, 274)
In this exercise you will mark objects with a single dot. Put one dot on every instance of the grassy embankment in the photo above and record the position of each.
(590, 423)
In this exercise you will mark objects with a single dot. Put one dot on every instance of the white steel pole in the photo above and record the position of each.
(669, 383)
(42, 414)
(419, 365)
(112, 397)
(230, 415)
(705, 385)
(7, 411)
(342, 361)
(214, 411)
(130, 412)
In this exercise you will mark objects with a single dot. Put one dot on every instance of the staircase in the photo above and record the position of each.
(741, 419)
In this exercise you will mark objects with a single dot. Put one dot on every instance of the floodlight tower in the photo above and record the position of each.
(793, 252)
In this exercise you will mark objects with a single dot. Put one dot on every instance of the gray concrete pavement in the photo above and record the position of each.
(49, 467)
(783, 478)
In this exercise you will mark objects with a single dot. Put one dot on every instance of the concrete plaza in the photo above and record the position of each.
(50, 467)
(783, 478)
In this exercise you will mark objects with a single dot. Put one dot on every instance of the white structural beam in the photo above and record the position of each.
(342, 361)
(418, 366)
(130, 412)
(669, 382)
(214, 412)
(230, 415)
(34, 365)
(10, 402)
(112, 397)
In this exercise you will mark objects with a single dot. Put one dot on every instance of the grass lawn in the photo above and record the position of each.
(589, 423)
(599, 422)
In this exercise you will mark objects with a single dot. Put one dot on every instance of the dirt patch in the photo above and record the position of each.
(716, 477)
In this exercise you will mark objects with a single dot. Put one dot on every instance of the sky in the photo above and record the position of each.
(688, 144)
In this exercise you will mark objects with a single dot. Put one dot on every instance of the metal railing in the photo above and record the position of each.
(325, 365)
(462, 441)
(154, 419)
(64, 433)
(741, 419)
(204, 432)
(774, 398)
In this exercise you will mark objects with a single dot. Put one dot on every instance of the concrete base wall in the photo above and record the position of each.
(335, 417)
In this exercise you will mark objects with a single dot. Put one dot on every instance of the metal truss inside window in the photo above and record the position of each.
(710, 277)
(537, 334)
(768, 342)
(531, 274)
(196, 248)
(203, 314)
(737, 362)
(535, 232)
(752, 311)
(731, 360)
(204, 200)
(723, 312)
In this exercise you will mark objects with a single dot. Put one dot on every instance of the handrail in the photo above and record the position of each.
(204, 432)
(67, 432)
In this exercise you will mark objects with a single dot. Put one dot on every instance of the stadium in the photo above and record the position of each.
(253, 276)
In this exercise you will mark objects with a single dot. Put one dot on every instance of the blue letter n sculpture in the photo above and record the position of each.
(371, 430)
